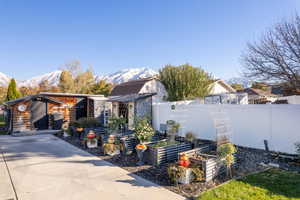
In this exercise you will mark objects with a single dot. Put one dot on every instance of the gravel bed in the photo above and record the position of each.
(249, 161)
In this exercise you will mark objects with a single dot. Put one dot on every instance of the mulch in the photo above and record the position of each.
(158, 174)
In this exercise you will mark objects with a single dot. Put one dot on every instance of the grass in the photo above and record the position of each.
(273, 184)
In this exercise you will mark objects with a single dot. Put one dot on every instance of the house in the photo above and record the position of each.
(220, 87)
(227, 98)
(258, 96)
(46, 111)
(134, 98)
(223, 93)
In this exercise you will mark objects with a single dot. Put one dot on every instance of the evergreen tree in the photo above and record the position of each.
(185, 82)
(102, 87)
(66, 82)
(12, 91)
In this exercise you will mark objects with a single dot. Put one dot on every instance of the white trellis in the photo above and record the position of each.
(222, 125)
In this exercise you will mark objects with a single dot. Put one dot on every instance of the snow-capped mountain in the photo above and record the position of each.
(53, 77)
(4, 79)
(127, 75)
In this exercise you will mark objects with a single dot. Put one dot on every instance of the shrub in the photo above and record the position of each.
(143, 130)
(86, 122)
(115, 123)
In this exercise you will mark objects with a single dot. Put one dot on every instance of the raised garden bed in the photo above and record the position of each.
(158, 155)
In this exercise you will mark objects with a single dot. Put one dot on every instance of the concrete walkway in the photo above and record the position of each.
(45, 167)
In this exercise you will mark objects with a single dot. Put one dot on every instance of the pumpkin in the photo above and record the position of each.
(184, 163)
(141, 146)
(183, 157)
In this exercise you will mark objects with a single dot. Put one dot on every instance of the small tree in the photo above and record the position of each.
(12, 91)
(226, 152)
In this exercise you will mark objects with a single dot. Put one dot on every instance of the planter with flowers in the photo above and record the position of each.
(112, 147)
(91, 139)
(184, 172)
(143, 132)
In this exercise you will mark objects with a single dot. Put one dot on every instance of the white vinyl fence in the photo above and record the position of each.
(250, 124)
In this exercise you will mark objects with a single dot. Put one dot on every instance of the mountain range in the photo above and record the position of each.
(53, 77)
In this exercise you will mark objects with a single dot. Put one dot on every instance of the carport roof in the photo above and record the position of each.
(30, 97)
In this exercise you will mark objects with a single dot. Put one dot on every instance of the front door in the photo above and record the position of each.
(39, 116)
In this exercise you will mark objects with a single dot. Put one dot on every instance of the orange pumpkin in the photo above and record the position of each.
(183, 157)
(184, 163)
(141, 146)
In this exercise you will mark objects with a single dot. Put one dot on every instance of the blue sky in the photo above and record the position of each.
(40, 36)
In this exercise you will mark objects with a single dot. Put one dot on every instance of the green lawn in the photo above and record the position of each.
(273, 184)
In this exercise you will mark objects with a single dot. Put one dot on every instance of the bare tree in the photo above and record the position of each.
(276, 57)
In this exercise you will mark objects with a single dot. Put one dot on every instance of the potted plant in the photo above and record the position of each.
(183, 172)
(92, 141)
(112, 147)
(143, 132)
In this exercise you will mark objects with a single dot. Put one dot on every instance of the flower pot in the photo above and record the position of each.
(187, 177)
(140, 153)
(92, 143)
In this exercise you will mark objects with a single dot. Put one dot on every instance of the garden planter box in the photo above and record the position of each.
(129, 142)
(162, 155)
(211, 166)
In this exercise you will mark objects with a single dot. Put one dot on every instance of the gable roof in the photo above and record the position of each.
(259, 92)
(225, 85)
(130, 87)
(30, 97)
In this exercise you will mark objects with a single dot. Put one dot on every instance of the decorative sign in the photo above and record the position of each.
(22, 107)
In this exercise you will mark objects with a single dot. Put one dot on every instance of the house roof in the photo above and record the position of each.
(225, 85)
(130, 87)
(30, 97)
(259, 92)
(129, 97)
(70, 94)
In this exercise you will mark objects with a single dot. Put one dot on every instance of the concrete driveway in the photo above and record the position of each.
(45, 167)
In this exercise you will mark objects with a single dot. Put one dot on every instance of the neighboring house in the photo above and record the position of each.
(48, 110)
(134, 98)
(227, 98)
(220, 87)
(141, 86)
(294, 99)
(223, 93)
(258, 96)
